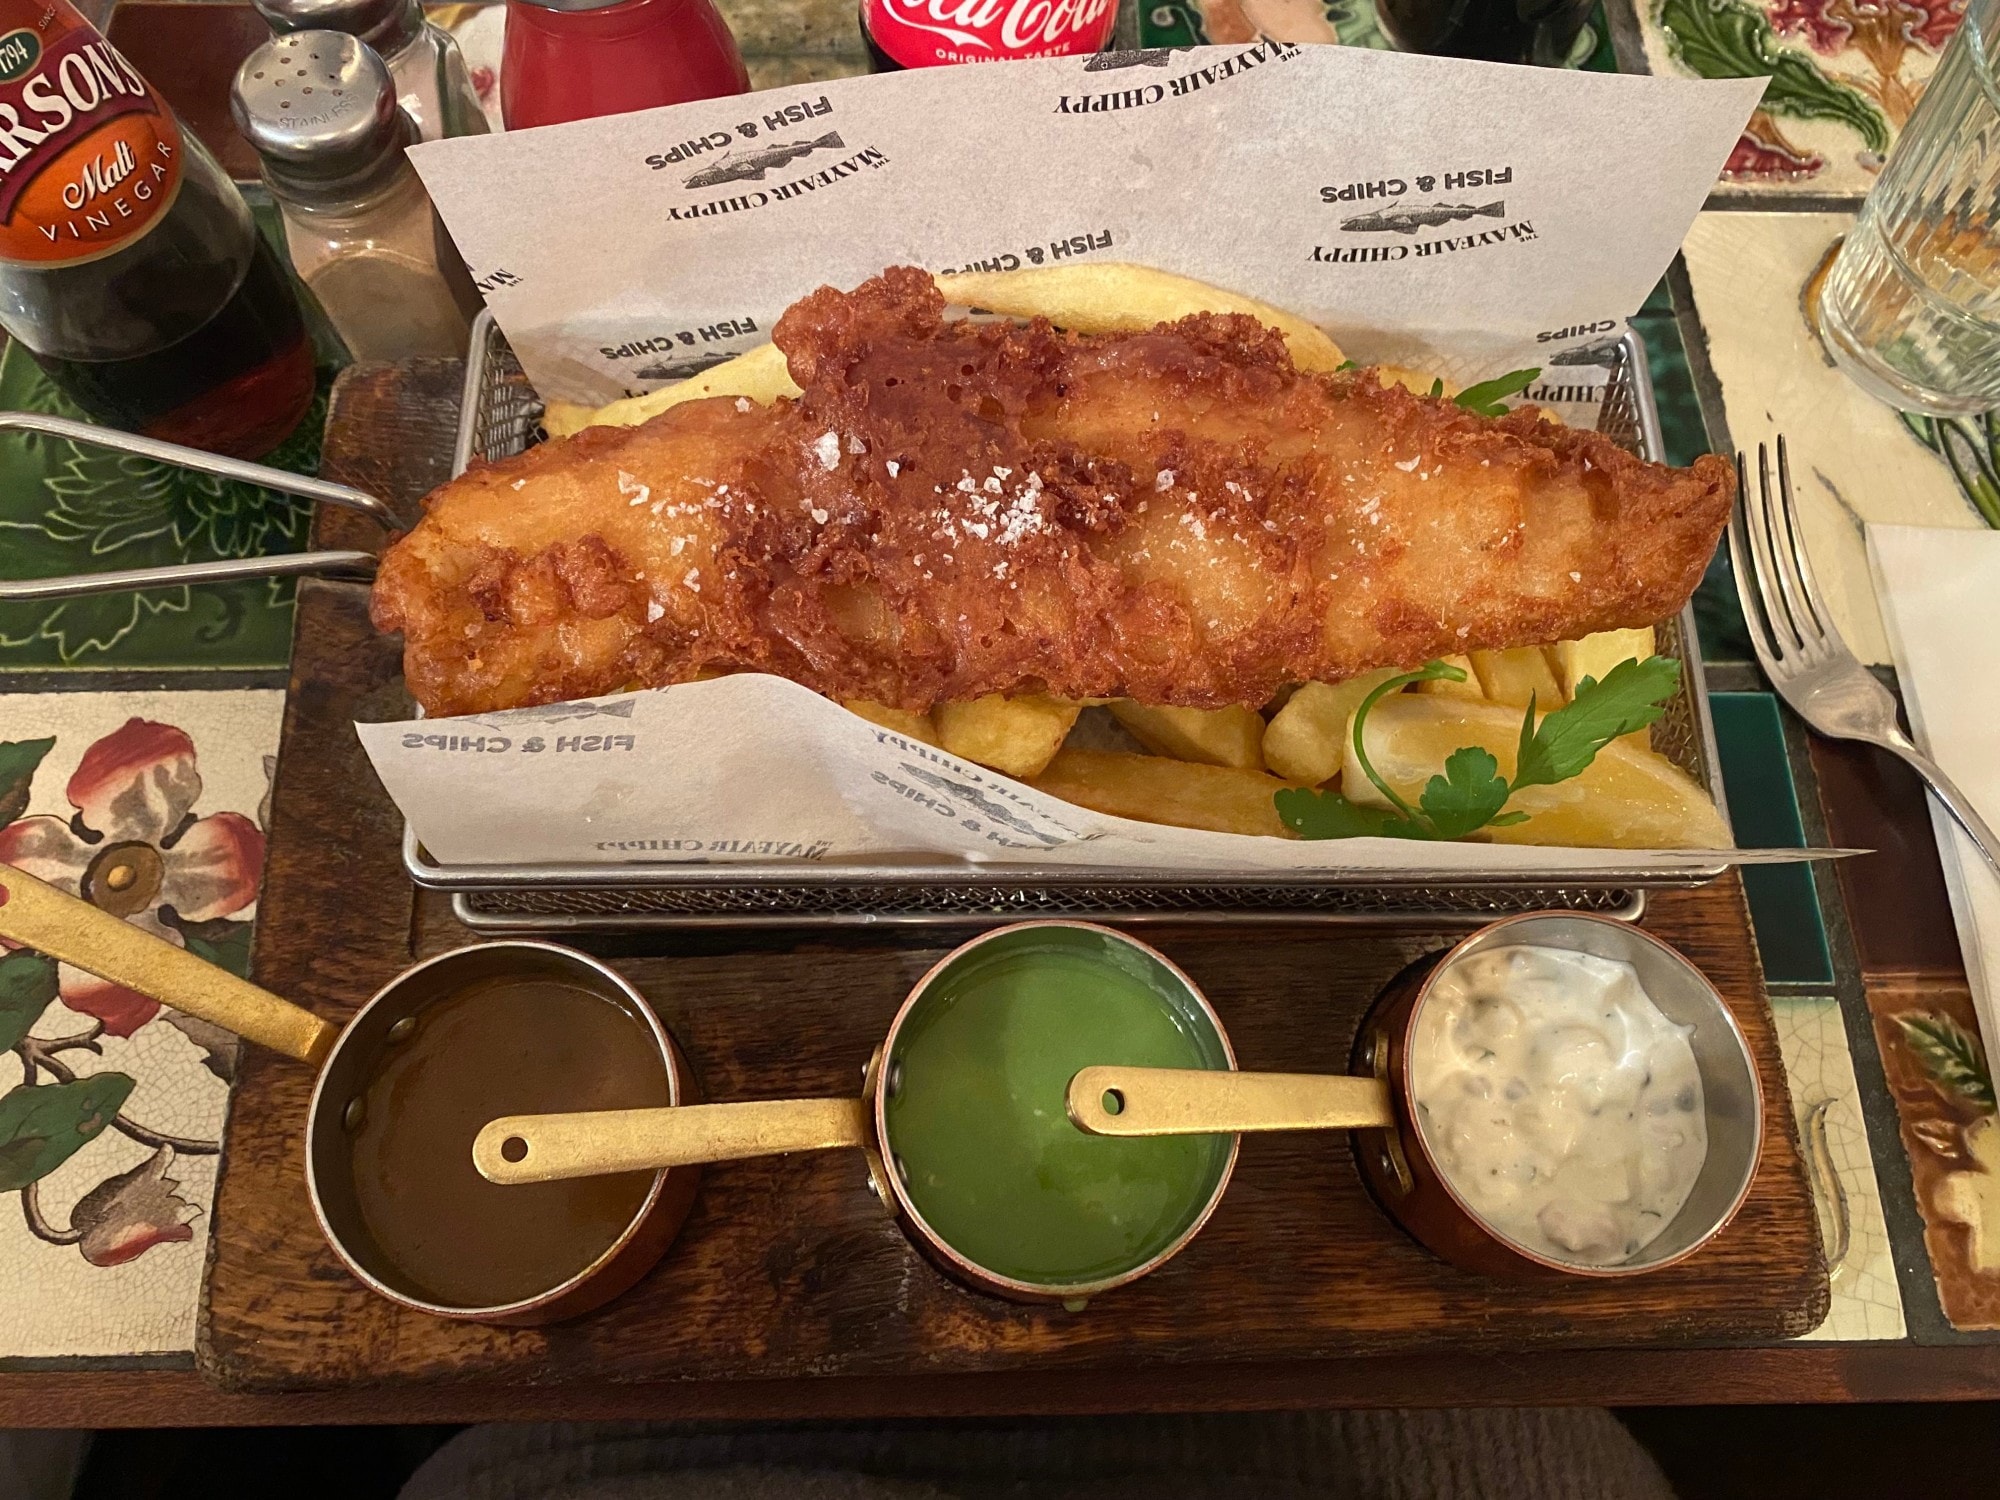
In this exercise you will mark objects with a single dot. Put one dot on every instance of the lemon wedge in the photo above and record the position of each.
(1629, 798)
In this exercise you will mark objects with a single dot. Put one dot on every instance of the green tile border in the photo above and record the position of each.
(1764, 806)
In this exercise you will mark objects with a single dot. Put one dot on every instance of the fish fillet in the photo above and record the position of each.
(956, 508)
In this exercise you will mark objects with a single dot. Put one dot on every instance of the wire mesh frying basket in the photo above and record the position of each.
(502, 416)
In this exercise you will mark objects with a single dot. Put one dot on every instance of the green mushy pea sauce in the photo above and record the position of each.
(977, 1118)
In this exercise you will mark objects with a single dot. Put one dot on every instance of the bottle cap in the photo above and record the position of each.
(380, 23)
(320, 108)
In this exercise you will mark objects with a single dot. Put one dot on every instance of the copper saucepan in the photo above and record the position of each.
(1394, 1146)
(1029, 1213)
(388, 1148)
(1210, 1100)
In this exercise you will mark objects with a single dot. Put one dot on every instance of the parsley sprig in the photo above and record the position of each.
(1471, 794)
(1484, 398)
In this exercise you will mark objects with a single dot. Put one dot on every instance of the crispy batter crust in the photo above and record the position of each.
(958, 508)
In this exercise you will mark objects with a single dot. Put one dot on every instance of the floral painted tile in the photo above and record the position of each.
(1861, 1267)
(1943, 1089)
(111, 1108)
(1854, 458)
(1845, 75)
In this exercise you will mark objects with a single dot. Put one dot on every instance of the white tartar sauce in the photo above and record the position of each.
(1558, 1101)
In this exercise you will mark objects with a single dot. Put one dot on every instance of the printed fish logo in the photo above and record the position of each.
(1423, 216)
(673, 369)
(1149, 57)
(557, 713)
(1605, 353)
(997, 811)
(752, 168)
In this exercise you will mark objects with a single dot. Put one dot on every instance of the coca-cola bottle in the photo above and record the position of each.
(129, 264)
(930, 33)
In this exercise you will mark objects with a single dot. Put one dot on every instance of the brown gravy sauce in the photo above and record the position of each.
(504, 1047)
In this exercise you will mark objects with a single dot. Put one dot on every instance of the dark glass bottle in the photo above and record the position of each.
(1542, 32)
(130, 266)
(878, 60)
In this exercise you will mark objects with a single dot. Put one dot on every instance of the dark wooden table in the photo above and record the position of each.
(178, 1397)
(404, 436)
(1880, 952)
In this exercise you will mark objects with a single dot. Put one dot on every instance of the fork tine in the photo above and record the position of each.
(1743, 565)
(1779, 516)
(1795, 535)
(1785, 638)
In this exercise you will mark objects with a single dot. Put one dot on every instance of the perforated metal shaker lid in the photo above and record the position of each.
(320, 108)
(380, 23)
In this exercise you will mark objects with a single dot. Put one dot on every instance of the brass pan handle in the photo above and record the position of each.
(544, 1148)
(64, 927)
(1215, 1101)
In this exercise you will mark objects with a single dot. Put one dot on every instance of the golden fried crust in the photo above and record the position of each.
(956, 508)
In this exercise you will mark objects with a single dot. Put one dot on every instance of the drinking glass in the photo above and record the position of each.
(1911, 308)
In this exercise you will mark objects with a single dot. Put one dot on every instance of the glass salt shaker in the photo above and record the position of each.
(321, 110)
(432, 84)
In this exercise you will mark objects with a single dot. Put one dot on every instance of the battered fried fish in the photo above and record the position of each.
(955, 508)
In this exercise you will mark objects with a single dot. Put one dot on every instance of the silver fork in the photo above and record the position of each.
(1801, 651)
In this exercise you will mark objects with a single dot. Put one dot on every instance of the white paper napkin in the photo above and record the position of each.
(1940, 596)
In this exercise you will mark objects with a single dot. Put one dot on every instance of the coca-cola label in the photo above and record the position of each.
(89, 156)
(926, 33)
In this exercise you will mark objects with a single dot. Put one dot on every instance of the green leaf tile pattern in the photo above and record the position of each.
(1970, 448)
(1720, 39)
(71, 508)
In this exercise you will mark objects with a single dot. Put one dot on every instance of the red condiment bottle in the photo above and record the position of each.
(573, 59)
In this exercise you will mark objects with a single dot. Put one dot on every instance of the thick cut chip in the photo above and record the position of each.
(1306, 741)
(560, 418)
(1628, 798)
(1015, 736)
(1153, 789)
(758, 374)
(1512, 677)
(1445, 687)
(1113, 297)
(916, 726)
(1595, 655)
(1212, 736)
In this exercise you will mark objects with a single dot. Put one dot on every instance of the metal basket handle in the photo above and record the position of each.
(331, 564)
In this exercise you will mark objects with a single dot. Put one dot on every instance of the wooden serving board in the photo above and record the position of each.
(789, 1267)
